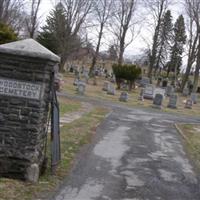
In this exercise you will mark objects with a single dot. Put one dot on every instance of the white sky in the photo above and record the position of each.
(137, 45)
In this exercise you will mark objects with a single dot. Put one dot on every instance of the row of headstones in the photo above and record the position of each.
(169, 89)
(149, 92)
(110, 89)
(158, 94)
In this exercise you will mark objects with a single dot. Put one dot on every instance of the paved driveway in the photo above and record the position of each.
(136, 155)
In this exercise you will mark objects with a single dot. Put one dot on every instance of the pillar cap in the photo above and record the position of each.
(29, 48)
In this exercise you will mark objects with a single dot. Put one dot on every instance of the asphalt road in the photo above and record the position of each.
(136, 155)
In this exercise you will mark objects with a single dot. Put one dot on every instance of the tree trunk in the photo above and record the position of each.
(121, 48)
(191, 59)
(186, 75)
(155, 41)
(153, 54)
(196, 75)
(94, 59)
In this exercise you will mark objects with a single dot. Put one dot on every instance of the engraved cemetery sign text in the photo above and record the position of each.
(22, 89)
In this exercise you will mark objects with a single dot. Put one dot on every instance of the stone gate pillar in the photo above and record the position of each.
(26, 70)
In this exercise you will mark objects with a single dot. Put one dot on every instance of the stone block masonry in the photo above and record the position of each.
(23, 118)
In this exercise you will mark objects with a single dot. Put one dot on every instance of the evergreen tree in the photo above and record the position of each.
(56, 35)
(53, 33)
(6, 34)
(165, 37)
(179, 39)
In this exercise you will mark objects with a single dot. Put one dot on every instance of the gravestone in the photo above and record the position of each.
(144, 81)
(113, 79)
(194, 98)
(71, 69)
(123, 97)
(26, 73)
(149, 92)
(141, 97)
(86, 75)
(157, 102)
(188, 104)
(159, 91)
(164, 83)
(76, 81)
(185, 92)
(198, 89)
(169, 90)
(81, 87)
(105, 86)
(172, 101)
(159, 81)
(111, 89)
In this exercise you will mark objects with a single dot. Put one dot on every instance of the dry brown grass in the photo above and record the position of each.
(191, 134)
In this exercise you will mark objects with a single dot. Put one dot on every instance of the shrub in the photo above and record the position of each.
(6, 34)
(126, 72)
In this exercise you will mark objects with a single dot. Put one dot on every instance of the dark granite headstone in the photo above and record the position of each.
(172, 101)
(185, 92)
(157, 102)
(188, 104)
(198, 89)
(164, 83)
(194, 98)
(123, 97)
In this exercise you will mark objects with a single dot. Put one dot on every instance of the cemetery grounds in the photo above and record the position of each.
(189, 132)
(84, 128)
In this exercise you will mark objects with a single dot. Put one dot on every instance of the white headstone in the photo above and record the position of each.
(194, 98)
(159, 91)
(111, 89)
(149, 92)
(81, 88)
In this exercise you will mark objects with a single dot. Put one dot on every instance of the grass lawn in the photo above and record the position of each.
(67, 105)
(191, 133)
(97, 92)
(73, 136)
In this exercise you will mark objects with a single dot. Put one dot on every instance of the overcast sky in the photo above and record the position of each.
(138, 44)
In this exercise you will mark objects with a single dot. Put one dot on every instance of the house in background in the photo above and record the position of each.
(83, 56)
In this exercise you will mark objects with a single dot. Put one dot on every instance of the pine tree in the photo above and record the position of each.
(53, 33)
(6, 34)
(179, 39)
(57, 35)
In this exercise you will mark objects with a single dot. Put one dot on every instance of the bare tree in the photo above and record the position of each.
(194, 6)
(11, 13)
(102, 11)
(32, 18)
(122, 22)
(192, 42)
(157, 9)
(76, 13)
